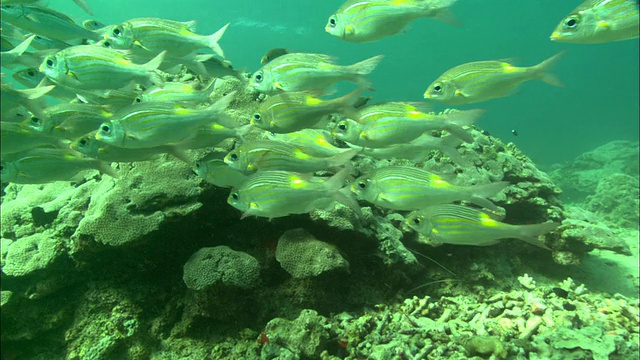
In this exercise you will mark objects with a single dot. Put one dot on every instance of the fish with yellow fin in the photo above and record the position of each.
(599, 21)
(485, 80)
(462, 225)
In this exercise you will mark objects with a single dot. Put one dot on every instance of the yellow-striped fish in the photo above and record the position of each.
(176, 92)
(461, 225)
(370, 20)
(213, 134)
(410, 188)
(46, 22)
(485, 80)
(86, 67)
(28, 98)
(304, 71)
(599, 21)
(261, 155)
(313, 141)
(156, 35)
(31, 77)
(215, 171)
(91, 147)
(17, 137)
(418, 150)
(10, 58)
(392, 123)
(275, 194)
(41, 166)
(68, 121)
(293, 111)
(158, 123)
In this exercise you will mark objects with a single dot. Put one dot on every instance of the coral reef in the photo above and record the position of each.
(210, 266)
(302, 255)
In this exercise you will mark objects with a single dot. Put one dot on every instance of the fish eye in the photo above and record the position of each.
(258, 77)
(257, 117)
(362, 184)
(234, 196)
(116, 32)
(105, 129)
(31, 73)
(437, 88)
(138, 99)
(35, 120)
(50, 62)
(197, 164)
(106, 44)
(332, 21)
(83, 142)
(233, 156)
(571, 22)
(342, 127)
(416, 221)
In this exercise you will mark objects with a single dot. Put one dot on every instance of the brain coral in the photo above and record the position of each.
(214, 265)
(302, 255)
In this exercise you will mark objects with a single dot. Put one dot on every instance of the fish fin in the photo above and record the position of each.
(210, 88)
(243, 130)
(531, 233)
(345, 197)
(542, 70)
(84, 6)
(191, 25)
(213, 41)
(446, 16)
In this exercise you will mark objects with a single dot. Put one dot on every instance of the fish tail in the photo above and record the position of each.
(210, 88)
(213, 41)
(84, 6)
(342, 158)
(341, 193)
(449, 146)
(365, 67)
(347, 104)
(456, 121)
(482, 192)
(243, 130)
(20, 49)
(542, 70)
(152, 66)
(218, 107)
(439, 10)
(106, 168)
(37, 92)
(530, 233)
(179, 153)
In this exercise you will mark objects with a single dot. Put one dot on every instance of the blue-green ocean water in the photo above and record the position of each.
(598, 104)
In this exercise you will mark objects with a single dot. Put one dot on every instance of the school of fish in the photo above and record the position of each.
(96, 94)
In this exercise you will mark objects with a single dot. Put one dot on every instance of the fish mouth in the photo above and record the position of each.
(426, 95)
(555, 36)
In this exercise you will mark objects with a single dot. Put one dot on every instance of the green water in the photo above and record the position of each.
(598, 104)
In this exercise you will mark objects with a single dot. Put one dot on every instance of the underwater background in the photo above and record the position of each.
(103, 268)
(598, 104)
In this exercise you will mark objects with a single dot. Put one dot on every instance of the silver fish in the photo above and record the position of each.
(215, 171)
